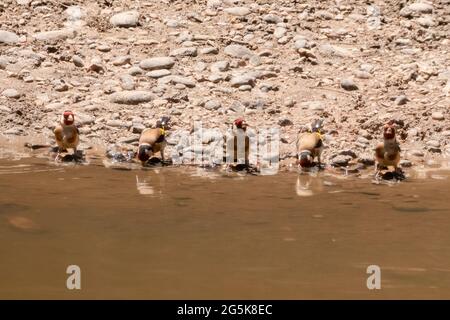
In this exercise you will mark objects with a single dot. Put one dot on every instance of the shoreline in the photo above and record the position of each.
(15, 150)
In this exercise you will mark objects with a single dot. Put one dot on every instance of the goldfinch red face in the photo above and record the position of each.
(240, 124)
(68, 118)
(389, 131)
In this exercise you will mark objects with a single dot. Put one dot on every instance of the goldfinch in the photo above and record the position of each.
(387, 153)
(310, 145)
(153, 140)
(67, 135)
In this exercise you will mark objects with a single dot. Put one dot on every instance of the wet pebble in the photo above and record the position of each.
(417, 153)
(367, 160)
(341, 160)
(405, 163)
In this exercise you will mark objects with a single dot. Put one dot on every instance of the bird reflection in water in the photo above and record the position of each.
(308, 184)
(146, 185)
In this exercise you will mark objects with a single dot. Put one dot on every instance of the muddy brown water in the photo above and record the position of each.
(186, 233)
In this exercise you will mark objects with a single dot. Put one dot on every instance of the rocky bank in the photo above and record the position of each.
(120, 65)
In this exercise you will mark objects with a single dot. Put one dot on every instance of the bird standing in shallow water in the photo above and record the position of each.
(240, 131)
(153, 140)
(237, 143)
(387, 153)
(67, 135)
(310, 145)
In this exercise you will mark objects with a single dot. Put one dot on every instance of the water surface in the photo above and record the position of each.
(187, 233)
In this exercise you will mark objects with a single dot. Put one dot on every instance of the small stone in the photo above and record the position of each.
(367, 67)
(77, 61)
(184, 52)
(127, 82)
(348, 152)
(8, 37)
(60, 85)
(172, 23)
(306, 53)
(417, 153)
(405, 163)
(14, 131)
(158, 73)
(349, 85)
(209, 50)
(401, 100)
(121, 60)
(271, 18)
(241, 80)
(362, 74)
(237, 11)
(131, 97)
(285, 122)
(220, 66)
(3, 63)
(137, 128)
(433, 143)
(302, 44)
(104, 48)
(341, 161)
(279, 32)
(96, 65)
(255, 60)
(216, 77)
(11, 93)
(212, 105)
(334, 51)
(117, 123)
(437, 116)
(177, 80)
(129, 139)
(135, 71)
(245, 88)
(157, 63)
(4, 109)
(125, 19)
(426, 22)
(54, 35)
(416, 9)
(366, 160)
(238, 51)
(289, 102)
